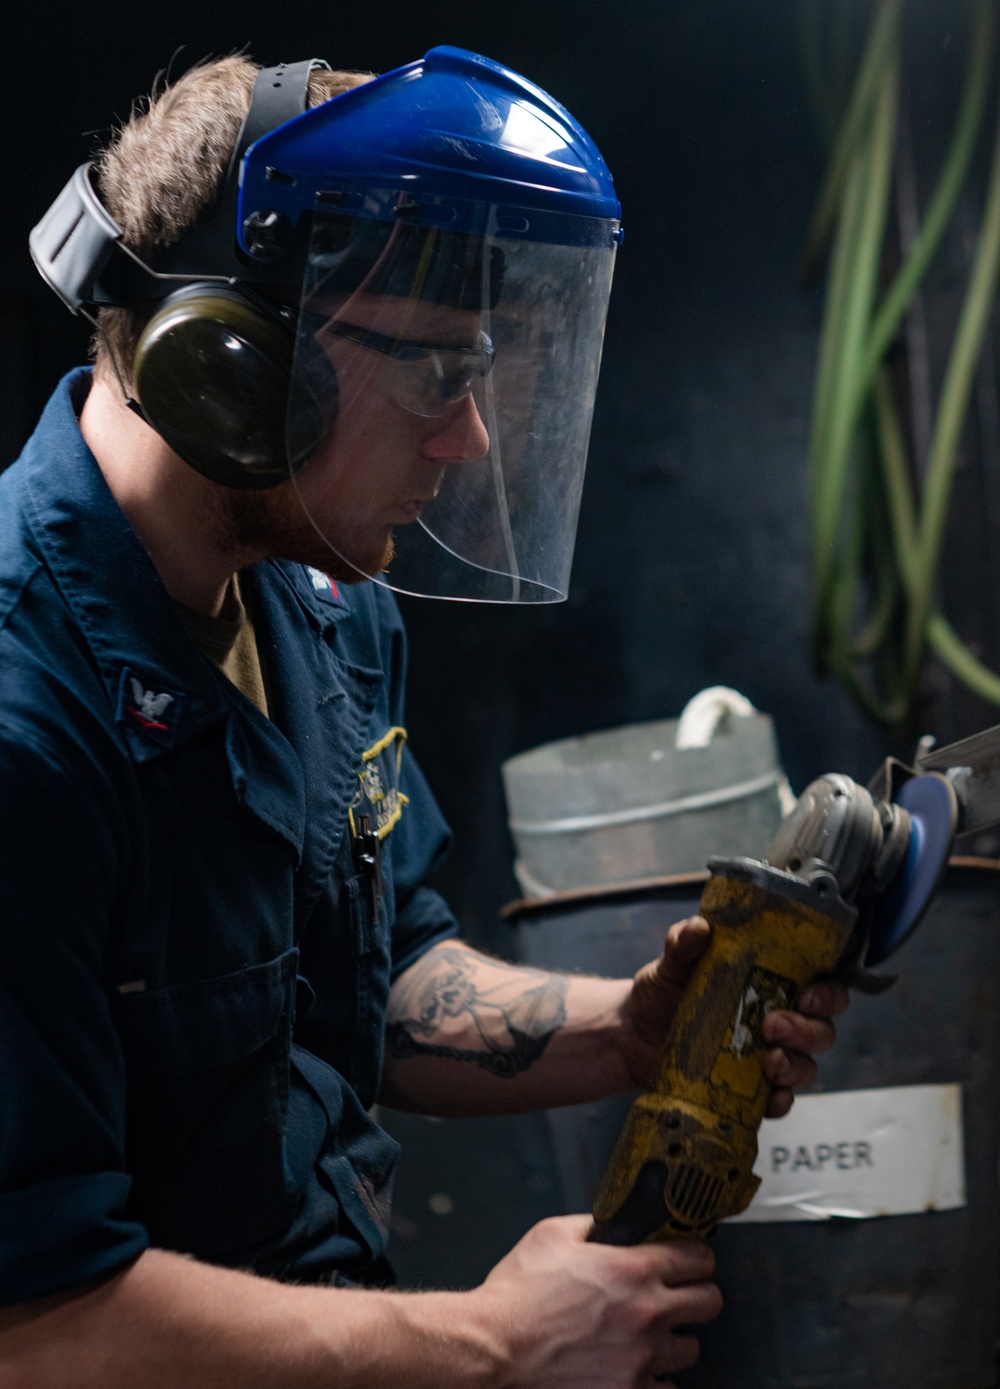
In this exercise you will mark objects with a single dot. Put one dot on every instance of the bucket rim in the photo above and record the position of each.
(664, 885)
(635, 888)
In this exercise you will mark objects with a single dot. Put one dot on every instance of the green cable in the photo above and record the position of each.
(943, 639)
(895, 474)
(845, 397)
(829, 359)
(869, 642)
(863, 98)
(848, 544)
(844, 653)
(825, 502)
(833, 315)
(949, 185)
(950, 419)
(947, 645)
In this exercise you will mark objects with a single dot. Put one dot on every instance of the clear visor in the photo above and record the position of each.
(442, 395)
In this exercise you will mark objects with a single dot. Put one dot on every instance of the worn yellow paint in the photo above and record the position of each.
(701, 1119)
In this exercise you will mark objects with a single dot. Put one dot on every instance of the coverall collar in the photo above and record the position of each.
(162, 689)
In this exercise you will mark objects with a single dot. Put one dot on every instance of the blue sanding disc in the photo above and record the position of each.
(932, 806)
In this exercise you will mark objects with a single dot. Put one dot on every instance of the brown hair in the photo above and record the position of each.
(166, 165)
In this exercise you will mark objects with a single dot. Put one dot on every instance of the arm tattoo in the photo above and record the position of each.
(457, 1004)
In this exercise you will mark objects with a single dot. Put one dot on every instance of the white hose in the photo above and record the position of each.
(707, 712)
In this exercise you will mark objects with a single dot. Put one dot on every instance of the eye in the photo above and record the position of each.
(410, 352)
(455, 384)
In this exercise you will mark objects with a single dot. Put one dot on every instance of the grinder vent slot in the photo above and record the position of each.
(693, 1195)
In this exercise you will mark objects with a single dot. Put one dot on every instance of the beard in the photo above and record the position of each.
(252, 526)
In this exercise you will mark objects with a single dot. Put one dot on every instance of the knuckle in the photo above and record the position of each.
(686, 1261)
(714, 1300)
(772, 1061)
(683, 1353)
(637, 1370)
(835, 996)
(821, 1029)
(639, 1315)
(657, 1259)
(631, 1274)
(780, 1103)
(695, 1306)
(825, 1000)
(798, 1069)
(704, 1256)
(689, 1348)
(634, 1265)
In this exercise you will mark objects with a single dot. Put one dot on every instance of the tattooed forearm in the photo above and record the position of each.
(457, 1004)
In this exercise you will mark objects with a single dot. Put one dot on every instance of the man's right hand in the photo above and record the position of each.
(571, 1314)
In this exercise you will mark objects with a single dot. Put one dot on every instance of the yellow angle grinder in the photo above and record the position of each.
(847, 879)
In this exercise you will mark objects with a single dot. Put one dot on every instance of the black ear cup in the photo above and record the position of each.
(213, 376)
(313, 399)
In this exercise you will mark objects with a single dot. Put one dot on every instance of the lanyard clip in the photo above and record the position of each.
(368, 859)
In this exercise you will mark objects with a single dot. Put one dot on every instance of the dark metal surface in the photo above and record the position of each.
(665, 888)
(872, 1304)
(610, 938)
(973, 768)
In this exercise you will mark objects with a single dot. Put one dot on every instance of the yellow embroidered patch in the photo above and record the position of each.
(378, 800)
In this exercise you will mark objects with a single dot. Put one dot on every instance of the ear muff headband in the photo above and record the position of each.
(212, 372)
(212, 368)
(213, 365)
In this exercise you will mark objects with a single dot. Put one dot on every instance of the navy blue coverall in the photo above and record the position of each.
(194, 973)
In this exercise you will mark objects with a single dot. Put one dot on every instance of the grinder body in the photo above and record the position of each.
(846, 879)
(685, 1157)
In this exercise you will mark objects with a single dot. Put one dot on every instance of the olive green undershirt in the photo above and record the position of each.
(230, 643)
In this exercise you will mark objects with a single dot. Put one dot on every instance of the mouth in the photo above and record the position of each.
(410, 510)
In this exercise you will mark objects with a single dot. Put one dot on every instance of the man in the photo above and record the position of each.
(219, 949)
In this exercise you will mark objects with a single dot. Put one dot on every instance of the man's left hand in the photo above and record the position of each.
(793, 1037)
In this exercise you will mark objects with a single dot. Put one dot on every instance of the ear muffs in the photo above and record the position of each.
(213, 373)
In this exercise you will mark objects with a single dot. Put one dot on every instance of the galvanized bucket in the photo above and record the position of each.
(628, 803)
(891, 1303)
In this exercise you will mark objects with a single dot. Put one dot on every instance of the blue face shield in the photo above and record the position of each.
(460, 377)
(449, 326)
(397, 306)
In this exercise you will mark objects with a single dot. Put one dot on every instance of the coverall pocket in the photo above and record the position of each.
(207, 1066)
(205, 1023)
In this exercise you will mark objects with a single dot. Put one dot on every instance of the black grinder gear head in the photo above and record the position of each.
(885, 847)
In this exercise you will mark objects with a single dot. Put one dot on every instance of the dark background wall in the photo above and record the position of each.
(691, 565)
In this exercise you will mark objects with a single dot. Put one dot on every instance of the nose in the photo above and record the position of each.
(457, 437)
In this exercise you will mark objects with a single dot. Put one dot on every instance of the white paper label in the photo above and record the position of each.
(862, 1153)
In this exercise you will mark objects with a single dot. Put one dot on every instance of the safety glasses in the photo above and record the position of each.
(425, 378)
(448, 323)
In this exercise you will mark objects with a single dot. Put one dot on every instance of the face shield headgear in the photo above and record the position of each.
(449, 326)
(406, 329)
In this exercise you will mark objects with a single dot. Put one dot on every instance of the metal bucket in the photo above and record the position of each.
(611, 933)
(627, 803)
(839, 1304)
